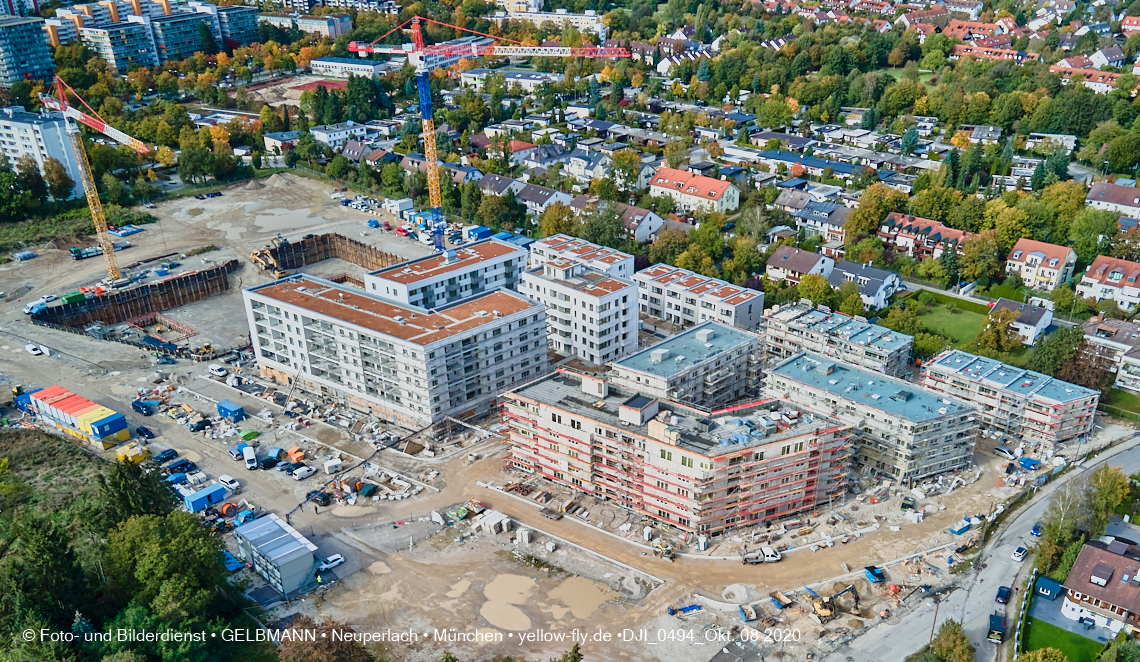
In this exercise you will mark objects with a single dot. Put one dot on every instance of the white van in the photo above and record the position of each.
(230, 483)
(35, 306)
(217, 370)
(250, 456)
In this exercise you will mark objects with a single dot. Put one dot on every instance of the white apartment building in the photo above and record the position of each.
(451, 276)
(407, 365)
(1114, 197)
(1116, 344)
(1042, 266)
(606, 260)
(42, 135)
(686, 298)
(694, 192)
(589, 22)
(343, 67)
(800, 327)
(335, 135)
(905, 432)
(1025, 405)
(709, 366)
(589, 313)
(1112, 278)
(327, 25)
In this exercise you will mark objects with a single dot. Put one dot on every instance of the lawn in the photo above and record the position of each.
(1122, 399)
(1074, 646)
(961, 325)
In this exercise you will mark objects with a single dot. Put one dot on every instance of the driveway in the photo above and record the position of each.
(1049, 611)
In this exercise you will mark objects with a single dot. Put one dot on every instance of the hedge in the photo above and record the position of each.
(964, 304)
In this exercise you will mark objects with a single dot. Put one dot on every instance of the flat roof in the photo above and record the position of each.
(590, 282)
(1016, 380)
(894, 396)
(730, 294)
(706, 433)
(275, 539)
(685, 351)
(856, 331)
(460, 259)
(582, 249)
(416, 325)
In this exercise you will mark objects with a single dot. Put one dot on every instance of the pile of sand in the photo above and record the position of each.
(280, 181)
(254, 185)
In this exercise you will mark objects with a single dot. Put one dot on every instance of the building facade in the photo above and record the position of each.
(1042, 266)
(122, 44)
(709, 366)
(278, 552)
(1102, 586)
(589, 22)
(343, 67)
(326, 25)
(800, 327)
(405, 364)
(335, 135)
(919, 237)
(451, 276)
(562, 246)
(238, 25)
(1112, 278)
(1026, 405)
(24, 51)
(589, 313)
(694, 192)
(178, 36)
(1115, 345)
(792, 264)
(439, 61)
(686, 298)
(903, 432)
(702, 472)
(1114, 197)
(42, 136)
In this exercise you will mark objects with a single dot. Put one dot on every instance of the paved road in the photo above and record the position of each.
(973, 602)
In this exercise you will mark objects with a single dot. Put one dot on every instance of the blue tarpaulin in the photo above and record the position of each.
(232, 563)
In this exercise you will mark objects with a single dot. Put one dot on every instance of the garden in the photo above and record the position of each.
(1075, 647)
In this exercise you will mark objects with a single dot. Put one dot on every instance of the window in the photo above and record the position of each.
(556, 418)
(666, 455)
(575, 424)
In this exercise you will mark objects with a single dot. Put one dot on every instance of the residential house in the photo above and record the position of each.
(538, 198)
(1101, 82)
(985, 135)
(793, 200)
(354, 150)
(691, 192)
(461, 174)
(1122, 199)
(827, 220)
(1114, 279)
(335, 135)
(667, 63)
(919, 237)
(791, 264)
(876, 286)
(936, 16)
(969, 30)
(1116, 346)
(685, 298)
(1018, 57)
(492, 184)
(969, 8)
(1108, 57)
(586, 166)
(1101, 587)
(1042, 266)
(1031, 321)
(1130, 24)
(280, 142)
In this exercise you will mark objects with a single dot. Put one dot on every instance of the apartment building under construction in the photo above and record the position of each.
(701, 471)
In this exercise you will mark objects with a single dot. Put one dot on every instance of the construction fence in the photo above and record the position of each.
(297, 254)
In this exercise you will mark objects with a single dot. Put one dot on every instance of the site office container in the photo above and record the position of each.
(49, 406)
(84, 421)
(51, 394)
(73, 408)
(26, 401)
(205, 497)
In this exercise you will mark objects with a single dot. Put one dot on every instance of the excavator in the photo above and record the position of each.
(265, 261)
(665, 551)
(826, 609)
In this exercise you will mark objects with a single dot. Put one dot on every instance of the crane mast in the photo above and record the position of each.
(98, 218)
(423, 85)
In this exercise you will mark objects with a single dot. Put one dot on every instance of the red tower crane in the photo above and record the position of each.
(423, 71)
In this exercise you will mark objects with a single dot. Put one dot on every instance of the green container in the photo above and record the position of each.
(73, 297)
(248, 434)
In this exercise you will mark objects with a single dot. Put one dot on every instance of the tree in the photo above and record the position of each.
(950, 645)
(927, 345)
(876, 202)
(904, 319)
(165, 156)
(324, 647)
(29, 178)
(669, 244)
(999, 334)
(626, 168)
(339, 167)
(604, 226)
(1093, 232)
(979, 256)
(816, 288)
(1044, 655)
(697, 260)
(59, 184)
(114, 189)
(853, 305)
(1108, 486)
(206, 38)
(909, 141)
(558, 219)
(127, 490)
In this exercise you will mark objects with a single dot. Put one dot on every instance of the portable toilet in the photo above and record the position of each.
(231, 410)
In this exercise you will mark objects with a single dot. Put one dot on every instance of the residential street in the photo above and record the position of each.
(974, 602)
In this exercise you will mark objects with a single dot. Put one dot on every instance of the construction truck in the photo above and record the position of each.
(825, 607)
(265, 262)
(997, 628)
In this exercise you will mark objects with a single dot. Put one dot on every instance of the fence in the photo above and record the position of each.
(297, 254)
(1023, 616)
(1117, 411)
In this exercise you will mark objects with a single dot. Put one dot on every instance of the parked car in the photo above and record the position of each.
(302, 472)
(728, 226)
(165, 360)
(250, 456)
(1038, 529)
(236, 452)
(50, 297)
(319, 497)
(217, 370)
(34, 350)
(1019, 554)
(142, 408)
(230, 483)
(288, 467)
(144, 432)
(182, 466)
(200, 425)
(331, 562)
(1002, 595)
(1002, 451)
(269, 462)
(166, 455)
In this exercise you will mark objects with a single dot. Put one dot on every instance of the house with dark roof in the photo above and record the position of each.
(876, 286)
(1120, 199)
(480, 141)
(544, 156)
(827, 220)
(1104, 586)
(587, 165)
(379, 158)
(1031, 321)
(538, 198)
(791, 264)
(461, 174)
(354, 150)
(492, 184)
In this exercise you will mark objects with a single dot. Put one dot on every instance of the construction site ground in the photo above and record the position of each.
(406, 573)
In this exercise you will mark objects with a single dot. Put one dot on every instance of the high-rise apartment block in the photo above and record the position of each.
(800, 327)
(20, 7)
(710, 365)
(42, 136)
(178, 36)
(238, 25)
(122, 44)
(686, 298)
(450, 276)
(1020, 403)
(589, 313)
(405, 364)
(700, 471)
(905, 432)
(24, 52)
(326, 25)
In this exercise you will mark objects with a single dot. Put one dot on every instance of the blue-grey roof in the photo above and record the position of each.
(275, 539)
(1023, 382)
(895, 397)
(345, 60)
(810, 161)
(874, 275)
(845, 326)
(685, 351)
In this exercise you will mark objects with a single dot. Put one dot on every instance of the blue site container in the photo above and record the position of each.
(205, 497)
(503, 236)
(107, 427)
(231, 410)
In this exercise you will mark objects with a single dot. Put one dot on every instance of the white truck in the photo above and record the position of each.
(763, 555)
